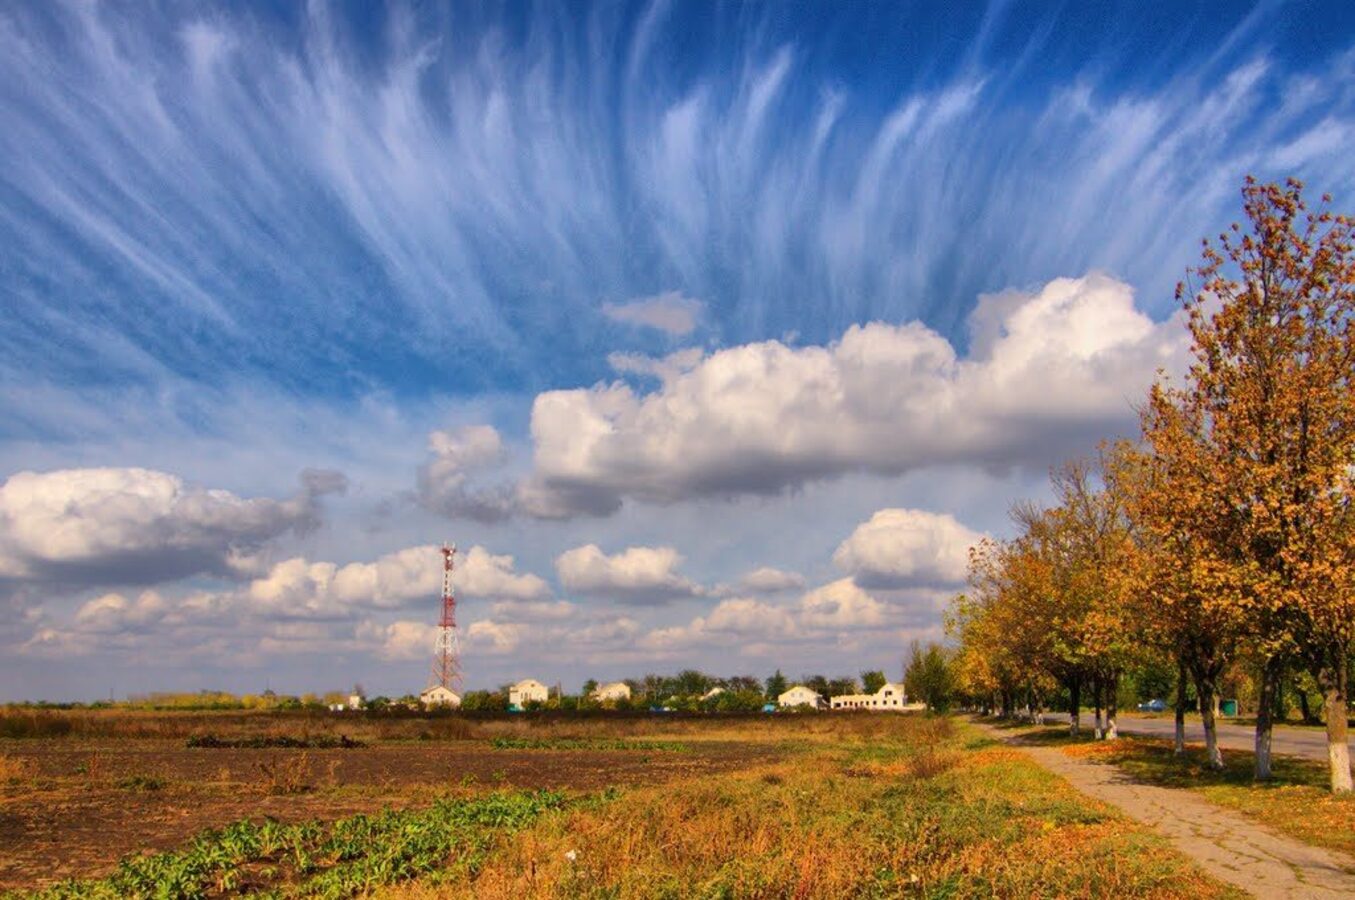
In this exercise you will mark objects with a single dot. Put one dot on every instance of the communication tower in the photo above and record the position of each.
(447, 649)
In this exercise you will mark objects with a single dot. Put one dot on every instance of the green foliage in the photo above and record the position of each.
(776, 686)
(347, 858)
(929, 676)
(872, 681)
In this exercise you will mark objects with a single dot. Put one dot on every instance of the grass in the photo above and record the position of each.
(509, 743)
(864, 806)
(1295, 802)
(930, 812)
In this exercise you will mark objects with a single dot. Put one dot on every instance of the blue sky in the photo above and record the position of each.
(537, 278)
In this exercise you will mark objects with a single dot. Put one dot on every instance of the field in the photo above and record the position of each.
(115, 804)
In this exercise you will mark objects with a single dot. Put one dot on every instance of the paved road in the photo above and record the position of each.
(1305, 742)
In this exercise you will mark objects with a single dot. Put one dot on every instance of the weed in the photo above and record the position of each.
(287, 775)
(141, 783)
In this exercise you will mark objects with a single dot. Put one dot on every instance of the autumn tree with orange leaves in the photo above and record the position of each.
(1258, 446)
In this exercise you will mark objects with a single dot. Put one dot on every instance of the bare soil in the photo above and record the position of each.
(84, 803)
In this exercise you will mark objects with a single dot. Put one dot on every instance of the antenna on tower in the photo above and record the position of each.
(447, 648)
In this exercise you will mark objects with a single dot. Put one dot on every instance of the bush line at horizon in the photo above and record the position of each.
(685, 689)
(1224, 537)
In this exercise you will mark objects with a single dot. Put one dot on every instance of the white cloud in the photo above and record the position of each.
(140, 526)
(669, 312)
(907, 548)
(767, 580)
(841, 605)
(1048, 371)
(637, 575)
(446, 482)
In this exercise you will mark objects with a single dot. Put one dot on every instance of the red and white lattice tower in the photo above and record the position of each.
(447, 649)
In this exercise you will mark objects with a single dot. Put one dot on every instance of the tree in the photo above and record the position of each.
(1268, 414)
(841, 686)
(776, 686)
(816, 683)
(872, 681)
(928, 676)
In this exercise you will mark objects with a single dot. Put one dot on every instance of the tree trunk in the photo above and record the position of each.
(1333, 683)
(1304, 708)
(1097, 688)
(1074, 706)
(1112, 706)
(1271, 673)
(1180, 746)
(1208, 704)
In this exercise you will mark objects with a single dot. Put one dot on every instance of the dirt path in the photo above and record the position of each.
(1225, 844)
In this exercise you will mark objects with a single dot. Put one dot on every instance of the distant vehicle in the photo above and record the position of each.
(1153, 706)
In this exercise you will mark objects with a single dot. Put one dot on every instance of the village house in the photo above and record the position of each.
(889, 696)
(613, 691)
(713, 693)
(437, 695)
(800, 696)
(529, 690)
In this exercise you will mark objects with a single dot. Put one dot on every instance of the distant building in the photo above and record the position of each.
(615, 690)
(440, 696)
(356, 700)
(800, 696)
(713, 693)
(889, 696)
(529, 690)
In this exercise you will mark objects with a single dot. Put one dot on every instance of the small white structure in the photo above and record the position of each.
(356, 700)
(615, 690)
(712, 693)
(528, 690)
(437, 695)
(800, 696)
(889, 696)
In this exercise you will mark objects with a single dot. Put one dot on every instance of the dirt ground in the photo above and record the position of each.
(82, 804)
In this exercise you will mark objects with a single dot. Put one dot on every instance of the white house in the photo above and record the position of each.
(713, 693)
(356, 700)
(616, 690)
(529, 690)
(437, 695)
(889, 696)
(800, 696)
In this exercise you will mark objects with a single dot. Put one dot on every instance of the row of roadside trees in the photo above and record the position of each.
(1224, 535)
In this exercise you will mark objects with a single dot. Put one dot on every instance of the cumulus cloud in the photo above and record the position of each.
(900, 548)
(1047, 370)
(296, 587)
(841, 604)
(636, 575)
(669, 312)
(767, 580)
(447, 482)
(140, 526)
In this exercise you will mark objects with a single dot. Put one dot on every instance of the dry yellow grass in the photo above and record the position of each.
(910, 814)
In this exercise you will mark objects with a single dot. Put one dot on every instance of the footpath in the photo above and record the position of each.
(1228, 846)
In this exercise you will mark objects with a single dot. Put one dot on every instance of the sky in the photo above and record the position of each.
(712, 334)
